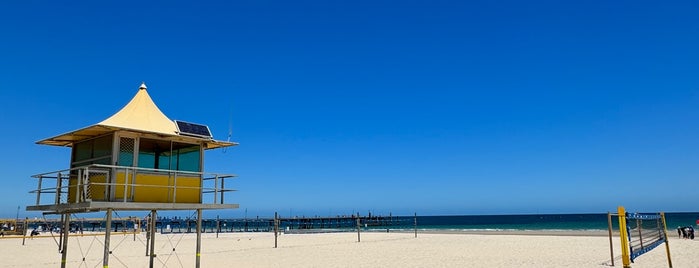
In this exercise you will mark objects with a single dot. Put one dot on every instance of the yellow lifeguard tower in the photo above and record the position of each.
(137, 159)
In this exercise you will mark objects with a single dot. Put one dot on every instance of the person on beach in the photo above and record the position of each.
(690, 232)
(679, 232)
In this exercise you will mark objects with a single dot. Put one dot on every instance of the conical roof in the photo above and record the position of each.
(139, 115)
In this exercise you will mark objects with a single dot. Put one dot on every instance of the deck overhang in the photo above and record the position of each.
(93, 206)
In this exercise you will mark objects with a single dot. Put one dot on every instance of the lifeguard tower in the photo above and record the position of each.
(136, 160)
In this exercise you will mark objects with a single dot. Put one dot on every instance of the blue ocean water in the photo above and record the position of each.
(521, 222)
(578, 222)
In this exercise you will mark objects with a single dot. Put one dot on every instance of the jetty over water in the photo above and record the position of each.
(167, 225)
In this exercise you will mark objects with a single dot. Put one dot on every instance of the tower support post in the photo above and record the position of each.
(107, 237)
(64, 239)
(198, 261)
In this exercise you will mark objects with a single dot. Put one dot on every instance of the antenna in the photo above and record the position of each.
(230, 128)
(230, 125)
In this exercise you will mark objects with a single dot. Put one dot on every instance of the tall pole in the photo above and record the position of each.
(276, 228)
(415, 224)
(64, 244)
(26, 225)
(107, 236)
(152, 237)
(218, 226)
(611, 245)
(667, 244)
(623, 235)
(359, 237)
(198, 262)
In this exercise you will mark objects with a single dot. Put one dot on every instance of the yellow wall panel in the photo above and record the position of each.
(146, 187)
(96, 191)
(121, 183)
(158, 188)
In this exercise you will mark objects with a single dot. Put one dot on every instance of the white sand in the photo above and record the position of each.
(342, 250)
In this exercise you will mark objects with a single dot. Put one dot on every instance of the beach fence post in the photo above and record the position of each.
(198, 262)
(359, 237)
(667, 243)
(640, 232)
(26, 225)
(415, 224)
(276, 228)
(218, 226)
(107, 236)
(151, 228)
(611, 245)
(64, 239)
(135, 228)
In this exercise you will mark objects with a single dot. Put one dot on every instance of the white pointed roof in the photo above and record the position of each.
(142, 114)
(139, 115)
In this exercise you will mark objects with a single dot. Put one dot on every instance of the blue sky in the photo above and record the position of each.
(434, 107)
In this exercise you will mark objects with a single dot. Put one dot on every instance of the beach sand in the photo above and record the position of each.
(342, 250)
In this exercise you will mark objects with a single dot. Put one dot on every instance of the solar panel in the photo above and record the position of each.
(192, 129)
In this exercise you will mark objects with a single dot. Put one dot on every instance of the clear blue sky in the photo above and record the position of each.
(434, 107)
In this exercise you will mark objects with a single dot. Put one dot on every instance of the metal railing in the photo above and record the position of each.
(97, 182)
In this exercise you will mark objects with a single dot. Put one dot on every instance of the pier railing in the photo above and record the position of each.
(107, 183)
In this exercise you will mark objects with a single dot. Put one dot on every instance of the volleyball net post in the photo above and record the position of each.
(667, 245)
(623, 235)
(639, 233)
(611, 244)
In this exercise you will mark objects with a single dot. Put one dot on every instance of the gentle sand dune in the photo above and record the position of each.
(342, 250)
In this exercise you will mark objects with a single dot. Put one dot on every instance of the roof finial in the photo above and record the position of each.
(143, 85)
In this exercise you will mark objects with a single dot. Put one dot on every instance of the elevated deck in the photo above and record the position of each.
(97, 187)
(93, 206)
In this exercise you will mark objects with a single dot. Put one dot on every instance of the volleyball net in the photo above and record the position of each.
(640, 233)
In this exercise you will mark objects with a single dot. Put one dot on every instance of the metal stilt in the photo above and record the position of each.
(198, 263)
(152, 237)
(60, 234)
(107, 236)
(64, 244)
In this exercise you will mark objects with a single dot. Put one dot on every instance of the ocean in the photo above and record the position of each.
(521, 222)
(534, 222)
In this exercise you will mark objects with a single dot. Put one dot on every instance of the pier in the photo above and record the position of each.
(188, 225)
